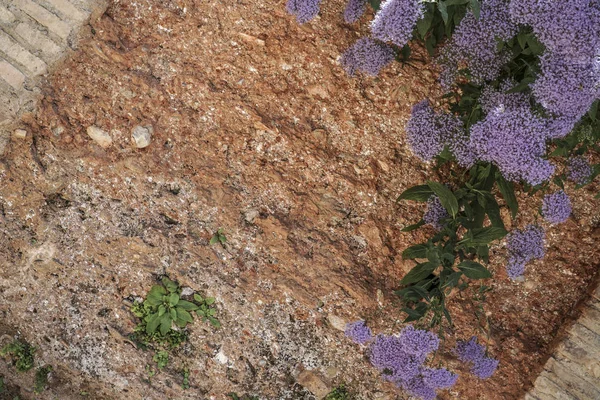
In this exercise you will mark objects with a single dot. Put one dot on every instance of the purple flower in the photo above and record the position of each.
(395, 21)
(570, 27)
(498, 99)
(304, 10)
(354, 10)
(485, 367)
(427, 132)
(579, 170)
(566, 86)
(419, 388)
(474, 44)
(470, 351)
(514, 140)
(523, 246)
(366, 55)
(359, 332)
(435, 213)
(556, 207)
(439, 378)
(474, 353)
(388, 355)
(418, 342)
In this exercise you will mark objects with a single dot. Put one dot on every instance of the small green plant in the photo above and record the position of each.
(41, 378)
(235, 396)
(339, 393)
(161, 358)
(206, 309)
(186, 378)
(21, 354)
(218, 237)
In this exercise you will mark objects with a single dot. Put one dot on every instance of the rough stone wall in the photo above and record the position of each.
(34, 36)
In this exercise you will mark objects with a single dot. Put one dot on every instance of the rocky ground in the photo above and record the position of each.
(254, 128)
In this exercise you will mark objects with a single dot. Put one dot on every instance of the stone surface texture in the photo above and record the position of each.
(34, 36)
(573, 370)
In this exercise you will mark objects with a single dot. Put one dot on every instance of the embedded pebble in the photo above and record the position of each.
(20, 134)
(337, 322)
(142, 136)
(101, 137)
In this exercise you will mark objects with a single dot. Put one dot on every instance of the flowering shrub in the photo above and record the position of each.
(401, 359)
(522, 82)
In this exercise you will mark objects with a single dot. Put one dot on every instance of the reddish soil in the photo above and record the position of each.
(259, 131)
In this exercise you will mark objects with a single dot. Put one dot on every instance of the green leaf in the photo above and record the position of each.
(214, 239)
(184, 315)
(443, 11)
(416, 193)
(593, 111)
(200, 313)
(418, 273)
(170, 285)
(187, 305)
(476, 7)
(165, 324)
(173, 299)
(413, 226)
(446, 196)
(424, 24)
(152, 323)
(415, 314)
(452, 280)
(474, 270)
(493, 211)
(173, 314)
(483, 236)
(375, 4)
(508, 192)
(209, 300)
(198, 298)
(161, 310)
(415, 251)
(214, 322)
(155, 295)
(412, 293)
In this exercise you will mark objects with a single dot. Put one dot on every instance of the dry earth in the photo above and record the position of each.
(256, 130)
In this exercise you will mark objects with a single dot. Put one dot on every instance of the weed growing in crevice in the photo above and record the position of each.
(21, 354)
(165, 315)
(339, 393)
(41, 378)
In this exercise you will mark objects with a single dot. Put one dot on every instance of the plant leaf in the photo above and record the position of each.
(209, 300)
(184, 315)
(413, 226)
(446, 196)
(187, 305)
(198, 298)
(152, 323)
(173, 299)
(214, 322)
(418, 273)
(170, 285)
(165, 324)
(416, 193)
(483, 236)
(474, 270)
(415, 251)
(508, 192)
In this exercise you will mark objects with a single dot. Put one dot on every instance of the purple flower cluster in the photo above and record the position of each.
(474, 44)
(435, 213)
(354, 10)
(395, 20)
(579, 170)
(472, 352)
(304, 10)
(366, 55)
(515, 140)
(566, 87)
(359, 332)
(570, 75)
(428, 131)
(556, 207)
(523, 246)
(569, 27)
(400, 359)
(498, 100)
